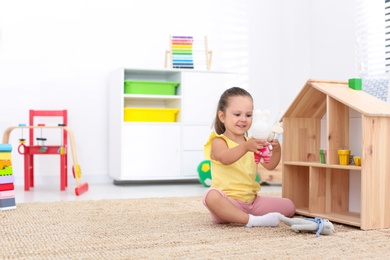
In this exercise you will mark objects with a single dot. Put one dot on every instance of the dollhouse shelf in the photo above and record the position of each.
(324, 190)
(331, 166)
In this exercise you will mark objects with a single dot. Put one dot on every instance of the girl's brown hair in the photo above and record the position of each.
(223, 103)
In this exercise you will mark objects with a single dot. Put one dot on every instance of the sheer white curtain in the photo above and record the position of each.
(373, 45)
(370, 22)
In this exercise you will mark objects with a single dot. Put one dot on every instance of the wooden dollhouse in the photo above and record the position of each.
(322, 113)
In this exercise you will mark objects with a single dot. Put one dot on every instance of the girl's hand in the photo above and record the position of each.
(255, 145)
(276, 155)
(275, 144)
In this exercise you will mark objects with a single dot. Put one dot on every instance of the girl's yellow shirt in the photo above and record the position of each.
(237, 180)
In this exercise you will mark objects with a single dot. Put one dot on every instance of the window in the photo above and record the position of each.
(373, 46)
(387, 34)
(370, 37)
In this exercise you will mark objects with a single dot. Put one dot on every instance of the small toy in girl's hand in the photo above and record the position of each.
(264, 156)
(319, 225)
(262, 130)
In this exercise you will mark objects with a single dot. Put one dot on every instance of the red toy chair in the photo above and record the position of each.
(32, 149)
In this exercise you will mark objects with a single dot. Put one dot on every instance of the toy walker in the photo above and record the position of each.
(28, 151)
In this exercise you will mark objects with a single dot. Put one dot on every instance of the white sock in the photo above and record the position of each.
(267, 220)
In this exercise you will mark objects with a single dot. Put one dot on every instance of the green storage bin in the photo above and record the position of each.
(150, 87)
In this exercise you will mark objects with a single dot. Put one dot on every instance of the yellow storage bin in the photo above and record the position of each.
(150, 114)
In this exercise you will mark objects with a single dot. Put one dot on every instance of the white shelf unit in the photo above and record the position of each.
(153, 151)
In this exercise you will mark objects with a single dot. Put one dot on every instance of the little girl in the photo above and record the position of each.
(233, 196)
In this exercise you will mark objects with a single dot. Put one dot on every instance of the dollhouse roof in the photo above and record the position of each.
(311, 100)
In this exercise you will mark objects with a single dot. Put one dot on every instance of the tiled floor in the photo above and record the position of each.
(111, 191)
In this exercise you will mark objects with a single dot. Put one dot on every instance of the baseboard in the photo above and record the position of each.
(132, 182)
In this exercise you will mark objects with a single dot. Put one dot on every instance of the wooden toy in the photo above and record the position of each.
(5, 148)
(4, 163)
(5, 156)
(7, 194)
(7, 188)
(6, 170)
(61, 150)
(28, 151)
(188, 52)
(323, 110)
(41, 140)
(81, 187)
(355, 83)
(7, 179)
(7, 203)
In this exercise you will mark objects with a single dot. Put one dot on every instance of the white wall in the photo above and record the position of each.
(319, 43)
(58, 54)
(332, 39)
(296, 50)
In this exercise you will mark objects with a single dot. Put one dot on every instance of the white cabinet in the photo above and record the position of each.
(148, 148)
(146, 151)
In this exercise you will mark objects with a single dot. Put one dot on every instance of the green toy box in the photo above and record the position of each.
(150, 87)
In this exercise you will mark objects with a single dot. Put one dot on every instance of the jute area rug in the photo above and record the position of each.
(166, 228)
